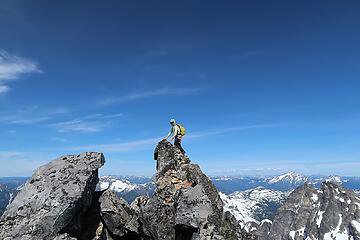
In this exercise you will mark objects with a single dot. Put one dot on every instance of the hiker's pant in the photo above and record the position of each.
(178, 143)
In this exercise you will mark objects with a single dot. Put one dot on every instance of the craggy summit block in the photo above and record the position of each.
(50, 199)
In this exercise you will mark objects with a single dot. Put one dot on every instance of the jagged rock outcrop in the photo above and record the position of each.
(186, 205)
(60, 202)
(332, 212)
(53, 199)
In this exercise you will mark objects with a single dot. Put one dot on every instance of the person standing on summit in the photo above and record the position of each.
(178, 131)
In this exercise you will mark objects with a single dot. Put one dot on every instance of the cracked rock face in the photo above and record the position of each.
(51, 199)
(332, 212)
(117, 215)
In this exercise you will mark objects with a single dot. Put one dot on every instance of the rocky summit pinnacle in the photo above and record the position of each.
(186, 205)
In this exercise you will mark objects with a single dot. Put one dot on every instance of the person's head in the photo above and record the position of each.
(172, 122)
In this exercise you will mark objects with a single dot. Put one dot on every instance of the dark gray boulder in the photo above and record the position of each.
(57, 193)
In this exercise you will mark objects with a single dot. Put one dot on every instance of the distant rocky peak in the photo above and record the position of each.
(332, 212)
(334, 178)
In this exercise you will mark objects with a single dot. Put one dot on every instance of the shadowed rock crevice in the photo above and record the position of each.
(183, 232)
(85, 223)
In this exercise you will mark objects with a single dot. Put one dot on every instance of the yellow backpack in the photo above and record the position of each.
(182, 129)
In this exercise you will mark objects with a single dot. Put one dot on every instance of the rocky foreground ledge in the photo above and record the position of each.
(60, 202)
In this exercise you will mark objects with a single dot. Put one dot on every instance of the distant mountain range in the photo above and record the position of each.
(248, 197)
(285, 182)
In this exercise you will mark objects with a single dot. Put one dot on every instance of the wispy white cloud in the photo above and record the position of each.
(120, 147)
(103, 116)
(29, 121)
(87, 124)
(4, 89)
(32, 115)
(220, 131)
(79, 125)
(13, 67)
(58, 139)
(23, 120)
(148, 143)
(149, 94)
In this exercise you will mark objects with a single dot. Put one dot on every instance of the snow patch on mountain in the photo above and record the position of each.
(240, 208)
(11, 197)
(357, 192)
(319, 217)
(356, 225)
(299, 232)
(336, 233)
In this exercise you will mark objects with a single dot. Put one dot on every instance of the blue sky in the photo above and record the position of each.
(263, 87)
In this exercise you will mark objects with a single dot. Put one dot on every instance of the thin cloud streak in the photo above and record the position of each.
(29, 121)
(229, 130)
(32, 115)
(79, 125)
(120, 147)
(149, 94)
(13, 67)
(142, 144)
(87, 124)
(58, 139)
(4, 89)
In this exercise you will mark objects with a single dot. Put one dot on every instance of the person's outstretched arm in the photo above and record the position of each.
(168, 135)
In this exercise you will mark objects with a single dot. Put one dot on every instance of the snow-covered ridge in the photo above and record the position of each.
(291, 177)
(336, 179)
(116, 185)
(223, 178)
